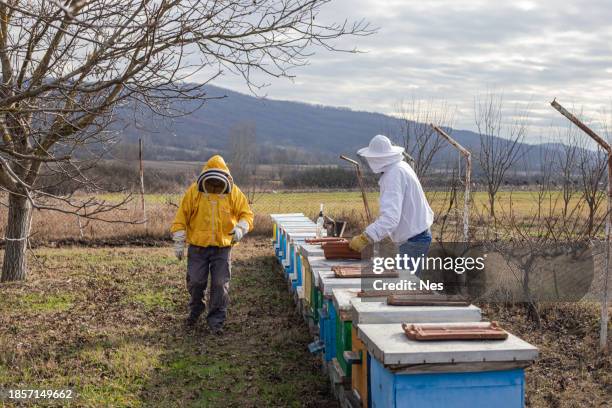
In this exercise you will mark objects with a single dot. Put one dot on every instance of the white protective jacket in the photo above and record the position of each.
(404, 210)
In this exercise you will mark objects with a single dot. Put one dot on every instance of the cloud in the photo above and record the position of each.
(453, 50)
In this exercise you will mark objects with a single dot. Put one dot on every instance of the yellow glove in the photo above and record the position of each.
(359, 242)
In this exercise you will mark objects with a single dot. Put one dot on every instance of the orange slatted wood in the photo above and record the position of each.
(345, 271)
(435, 332)
(339, 250)
(396, 300)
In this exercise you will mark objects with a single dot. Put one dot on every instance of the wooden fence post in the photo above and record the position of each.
(142, 190)
(603, 332)
(468, 177)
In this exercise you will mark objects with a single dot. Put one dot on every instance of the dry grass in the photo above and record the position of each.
(569, 372)
(48, 226)
(108, 323)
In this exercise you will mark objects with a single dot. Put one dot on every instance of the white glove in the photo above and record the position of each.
(239, 231)
(179, 244)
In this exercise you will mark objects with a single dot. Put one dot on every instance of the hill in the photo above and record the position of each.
(296, 132)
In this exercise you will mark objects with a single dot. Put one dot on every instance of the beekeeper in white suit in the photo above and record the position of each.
(405, 215)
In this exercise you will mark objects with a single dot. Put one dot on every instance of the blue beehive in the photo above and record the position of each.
(293, 226)
(444, 374)
(295, 240)
(327, 329)
(279, 220)
(326, 283)
(498, 389)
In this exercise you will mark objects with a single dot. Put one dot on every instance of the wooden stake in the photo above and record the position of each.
(468, 177)
(362, 186)
(603, 332)
(142, 190)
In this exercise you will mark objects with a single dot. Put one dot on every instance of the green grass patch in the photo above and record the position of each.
(153, 300)
(46, 303)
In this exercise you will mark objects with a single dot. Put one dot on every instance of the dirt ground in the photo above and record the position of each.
(569, 373)
(108, 323)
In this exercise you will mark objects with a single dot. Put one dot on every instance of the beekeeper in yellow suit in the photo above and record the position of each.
(213, 216)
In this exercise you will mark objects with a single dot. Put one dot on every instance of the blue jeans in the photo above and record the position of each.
(416, 247)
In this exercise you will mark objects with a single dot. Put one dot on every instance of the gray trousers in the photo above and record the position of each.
(200, 262)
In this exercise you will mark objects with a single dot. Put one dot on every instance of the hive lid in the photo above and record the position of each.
(287, 222)
(319, 241)
(426, 300)
(296, 226)
(322, 263)
(300, 235)
(311, 250)
(388, 344)
(358, 271)
(370, 293)
(319, 264)
(276, 217)
(376, 312)
(342, 298)
(329, 282)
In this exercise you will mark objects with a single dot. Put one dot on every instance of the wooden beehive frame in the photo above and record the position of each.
(468, 331)
(356, 271)
(320, 241)
(339, 250)
(408, 300)
(386, 293)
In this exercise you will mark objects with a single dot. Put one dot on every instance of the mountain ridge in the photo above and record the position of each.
(314, 133)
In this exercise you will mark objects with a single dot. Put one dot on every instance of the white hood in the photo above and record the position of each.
(381, 153)
(378, 164)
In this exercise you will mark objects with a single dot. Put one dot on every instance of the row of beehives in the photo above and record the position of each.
(366, 353)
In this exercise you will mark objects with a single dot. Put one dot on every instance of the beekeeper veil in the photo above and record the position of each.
(380, 153)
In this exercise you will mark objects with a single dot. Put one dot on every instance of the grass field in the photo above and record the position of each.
(108, 323)
(522, 202)
(52, 227)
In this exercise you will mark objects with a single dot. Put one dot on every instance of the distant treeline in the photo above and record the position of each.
(121, 176)
(325, 177)
(265, 154)
(174, 177)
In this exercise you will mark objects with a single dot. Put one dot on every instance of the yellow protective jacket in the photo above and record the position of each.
(208, 218)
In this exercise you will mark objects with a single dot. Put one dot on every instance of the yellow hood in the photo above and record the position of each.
(217, 163)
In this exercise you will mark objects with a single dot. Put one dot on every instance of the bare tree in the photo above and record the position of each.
(68, 66)
(592, 170)
(467, 183)
(501, 139)
(591, 184)
(243, 156)
(419, 138)
(566, 162)
(536, 237)
(243, 151)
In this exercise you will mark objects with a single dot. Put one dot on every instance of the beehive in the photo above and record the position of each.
(390, 373)
(439, 374)
(306, 252)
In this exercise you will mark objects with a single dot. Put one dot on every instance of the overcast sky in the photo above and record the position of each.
(453, 50)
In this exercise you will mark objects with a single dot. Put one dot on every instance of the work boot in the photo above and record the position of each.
(191, 320)
(217, 331)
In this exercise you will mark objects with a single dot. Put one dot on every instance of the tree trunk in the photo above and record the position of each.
(14, 266)
(492, 205)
